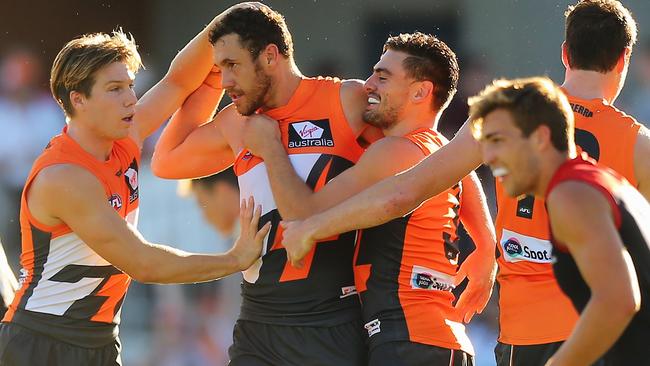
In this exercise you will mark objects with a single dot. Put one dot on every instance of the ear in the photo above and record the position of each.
(77, 100)
(269, 56)
(541, 137)
(623, 60)
(565, 55)
(421, 91)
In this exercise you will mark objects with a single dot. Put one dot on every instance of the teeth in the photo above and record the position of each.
(373, 100)
(499, 172)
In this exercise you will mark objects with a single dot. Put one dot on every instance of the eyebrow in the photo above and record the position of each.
(489, 135)
(382, 70)
(226, 61)
(129, 80)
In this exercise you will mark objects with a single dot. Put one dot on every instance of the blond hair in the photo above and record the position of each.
(531, 102)
(75, 65)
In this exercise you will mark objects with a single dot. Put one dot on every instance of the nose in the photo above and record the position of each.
(227, 80)
(369, 84)
(131, 98)
(488, 154)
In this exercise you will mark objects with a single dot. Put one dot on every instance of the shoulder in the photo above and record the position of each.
(353, 89)
(575, 201)
(64, 179)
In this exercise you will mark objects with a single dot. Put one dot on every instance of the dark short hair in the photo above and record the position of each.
(257, 26)
(597, 32)
(532, 102)
(428, 59)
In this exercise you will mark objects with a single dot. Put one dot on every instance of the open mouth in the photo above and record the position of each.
(499, 173)
(373, 101)
(234, 97)
(128, 119)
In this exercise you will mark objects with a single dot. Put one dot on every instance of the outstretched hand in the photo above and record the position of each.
(248, 247)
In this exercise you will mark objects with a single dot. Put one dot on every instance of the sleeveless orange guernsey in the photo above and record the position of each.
(68, 291)
(320, 145)
(405, 270)
(533, 309)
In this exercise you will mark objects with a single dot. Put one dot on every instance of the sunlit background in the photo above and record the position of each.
(191, 325)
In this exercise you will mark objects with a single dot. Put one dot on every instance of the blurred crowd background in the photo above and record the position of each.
(191, 325)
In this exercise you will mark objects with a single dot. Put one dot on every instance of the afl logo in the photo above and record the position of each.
(512, 247)
(115, 201)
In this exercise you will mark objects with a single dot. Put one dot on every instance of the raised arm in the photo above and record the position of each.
(189, 148)
(296, 200)
(582, 219)
(86, 211)
(186, 73)
(395, 196)
(641, 161)
(481, 266)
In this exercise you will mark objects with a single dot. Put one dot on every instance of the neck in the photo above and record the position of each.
(98, 147)
(412, 121)
(284, 85)
(549, 165)
(585, 84)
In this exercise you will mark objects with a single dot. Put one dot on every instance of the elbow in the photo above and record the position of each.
(401, 203)
(144, 273)
(160, 167)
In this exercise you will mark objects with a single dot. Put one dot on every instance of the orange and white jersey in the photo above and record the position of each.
(320, 145)
(66, 289)
(533, 309)
(405, 270)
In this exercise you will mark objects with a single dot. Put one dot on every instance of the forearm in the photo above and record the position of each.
(197, 110)
(164, 265)
(600, 325)
(374, 206)
(291, 194)
(475, 215)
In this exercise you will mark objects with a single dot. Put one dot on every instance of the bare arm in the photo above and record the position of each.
(582, 218)
(395, 196)
(189, 149)
(294, 198)
(86, 211)
(480, 267)
(186, 73)
(642, 163)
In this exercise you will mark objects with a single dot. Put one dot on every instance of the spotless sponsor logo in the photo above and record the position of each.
(428, 279)
(310, 133)
(518, 247)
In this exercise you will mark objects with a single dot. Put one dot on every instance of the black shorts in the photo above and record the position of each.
(403, 353)
(529, 355)
(259, 344)
(20, 346)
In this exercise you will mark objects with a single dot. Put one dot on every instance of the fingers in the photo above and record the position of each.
(261, 234)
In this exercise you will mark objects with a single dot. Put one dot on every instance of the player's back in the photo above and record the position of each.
(631, 213)
(320, 145)
(405, 270)
(67, 290)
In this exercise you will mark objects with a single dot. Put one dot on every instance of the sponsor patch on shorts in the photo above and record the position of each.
(428, 279)
(373, 327)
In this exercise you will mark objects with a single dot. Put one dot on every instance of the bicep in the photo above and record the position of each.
(383, 159)
(86, 210)
(204, 151)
